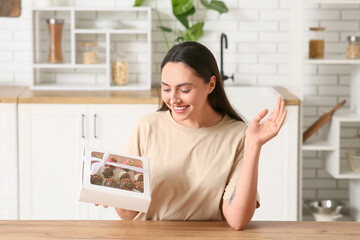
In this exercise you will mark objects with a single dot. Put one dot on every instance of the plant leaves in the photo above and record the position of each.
(139, 3)
(182, 34)
(215, 5)
(181, 7)
(195, 32)
(165, 29)
(179, 39)
(183, 17)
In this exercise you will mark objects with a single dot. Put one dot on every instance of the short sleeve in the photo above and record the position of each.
(234, 176)
(133, 146)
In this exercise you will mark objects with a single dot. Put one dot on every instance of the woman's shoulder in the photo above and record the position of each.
(152, 118)
(232, 124)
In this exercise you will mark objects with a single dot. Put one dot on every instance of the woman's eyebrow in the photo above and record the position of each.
(179, 85)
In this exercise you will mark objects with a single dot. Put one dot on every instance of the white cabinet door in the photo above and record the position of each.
(110, 128)
(51, 139)
(112, 124)
(278, 164)
(278, 173)
(8, 162)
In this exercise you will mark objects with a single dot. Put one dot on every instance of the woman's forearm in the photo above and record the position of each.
(126, 214)
(239, 209)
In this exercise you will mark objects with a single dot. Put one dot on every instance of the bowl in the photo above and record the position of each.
(326, 207)
(353, 161)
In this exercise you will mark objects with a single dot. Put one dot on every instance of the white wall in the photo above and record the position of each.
(258, 54)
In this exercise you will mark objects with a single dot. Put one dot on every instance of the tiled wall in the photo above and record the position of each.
(257, 54)
(324, 87)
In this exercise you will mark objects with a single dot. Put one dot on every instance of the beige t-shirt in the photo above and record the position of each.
(192, 170)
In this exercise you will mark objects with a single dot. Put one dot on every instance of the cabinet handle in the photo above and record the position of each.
(82, 125)
(95, 126)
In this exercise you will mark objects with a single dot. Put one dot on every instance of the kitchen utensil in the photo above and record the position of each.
(9, 8)
(321, 121)
(325, 210)
(353, 161)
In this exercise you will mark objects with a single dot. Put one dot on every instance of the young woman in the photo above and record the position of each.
(203, 157)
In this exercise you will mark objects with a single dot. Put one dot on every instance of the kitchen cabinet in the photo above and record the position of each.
(51, 141)
(116, 30)
(8, 161)
(278, 177)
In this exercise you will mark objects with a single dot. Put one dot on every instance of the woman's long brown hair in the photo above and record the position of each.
(202, 61)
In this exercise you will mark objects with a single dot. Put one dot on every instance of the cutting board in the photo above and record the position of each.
(10, 8)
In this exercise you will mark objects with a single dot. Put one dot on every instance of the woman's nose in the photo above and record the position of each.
(174, 97)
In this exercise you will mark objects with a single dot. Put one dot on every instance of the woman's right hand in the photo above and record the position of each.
(125, 214)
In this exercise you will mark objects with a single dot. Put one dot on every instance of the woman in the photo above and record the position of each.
(203, 157)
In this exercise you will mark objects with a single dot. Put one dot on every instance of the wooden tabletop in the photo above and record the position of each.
(87, 229)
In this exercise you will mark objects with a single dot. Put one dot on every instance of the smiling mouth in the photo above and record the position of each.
(180, 109)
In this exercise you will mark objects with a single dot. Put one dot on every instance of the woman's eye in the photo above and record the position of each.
(166, 90)
(185, 91)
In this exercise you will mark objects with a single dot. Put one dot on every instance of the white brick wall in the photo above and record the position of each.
(258, 35)
(324, 87)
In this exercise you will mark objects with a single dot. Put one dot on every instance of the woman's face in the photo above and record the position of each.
(185, 93)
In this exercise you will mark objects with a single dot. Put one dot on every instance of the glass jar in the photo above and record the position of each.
(120, 70)
(55, 29)
(353, 47)
(90, 54)
(317, 43)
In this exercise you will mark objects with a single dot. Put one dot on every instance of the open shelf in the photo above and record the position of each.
(318, 146)
(131, 34)
(337, 165)
(338, 60)
(334, 1)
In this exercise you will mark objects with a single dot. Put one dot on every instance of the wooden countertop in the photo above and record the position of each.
(91, 229)
(9, 94)
(25, 95)
(92, 97)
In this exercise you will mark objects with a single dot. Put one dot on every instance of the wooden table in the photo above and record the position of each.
(54, 229)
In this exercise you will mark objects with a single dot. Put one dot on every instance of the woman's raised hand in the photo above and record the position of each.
(259, 134)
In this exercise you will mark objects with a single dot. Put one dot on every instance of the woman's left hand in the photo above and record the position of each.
(259, 134)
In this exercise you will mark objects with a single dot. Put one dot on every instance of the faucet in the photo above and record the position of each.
(223, 76)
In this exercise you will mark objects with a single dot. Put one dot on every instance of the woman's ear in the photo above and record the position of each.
(212, 83)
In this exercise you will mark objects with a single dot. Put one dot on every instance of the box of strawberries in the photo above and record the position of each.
(115, 180)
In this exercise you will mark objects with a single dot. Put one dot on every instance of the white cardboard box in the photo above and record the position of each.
(110, 196)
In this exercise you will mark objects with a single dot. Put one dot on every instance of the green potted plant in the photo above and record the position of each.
(184, 10)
